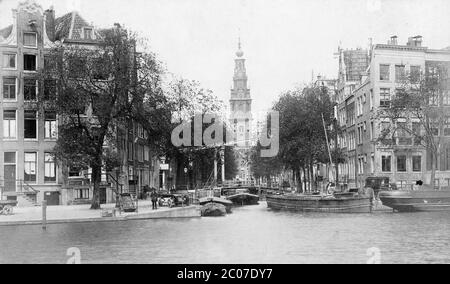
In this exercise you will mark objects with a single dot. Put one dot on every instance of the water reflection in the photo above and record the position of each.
(249, 235)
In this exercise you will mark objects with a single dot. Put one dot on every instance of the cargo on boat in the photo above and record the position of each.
(213, 210)
(336, 203)
(227, 203)
(416, 201)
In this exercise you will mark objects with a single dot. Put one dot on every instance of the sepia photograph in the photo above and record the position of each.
(224, 136)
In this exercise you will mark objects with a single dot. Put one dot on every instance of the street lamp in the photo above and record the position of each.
(185, 178)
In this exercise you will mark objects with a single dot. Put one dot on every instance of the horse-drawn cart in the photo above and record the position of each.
(6, 206)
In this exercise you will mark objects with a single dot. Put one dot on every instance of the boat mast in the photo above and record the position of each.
(328, 143)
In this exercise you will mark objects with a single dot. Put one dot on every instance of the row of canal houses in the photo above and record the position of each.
(28, 133)
(368, 78)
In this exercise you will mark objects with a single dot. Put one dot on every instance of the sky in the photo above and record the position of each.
(285, 41)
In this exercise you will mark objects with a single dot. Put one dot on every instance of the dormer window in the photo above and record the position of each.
(88, 33)
(30, 39)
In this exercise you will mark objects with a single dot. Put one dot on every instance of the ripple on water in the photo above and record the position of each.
(249, 235)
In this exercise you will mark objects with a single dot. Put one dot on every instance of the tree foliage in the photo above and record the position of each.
(302, 137)
(100, 90)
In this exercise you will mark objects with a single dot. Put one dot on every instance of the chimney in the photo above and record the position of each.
(415, 41)
(50, 23)
(393, 40)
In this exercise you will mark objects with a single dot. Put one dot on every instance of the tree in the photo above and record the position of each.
(302, 137)
(416, 113)
(99, 89)
(189, 99)
(262, 167)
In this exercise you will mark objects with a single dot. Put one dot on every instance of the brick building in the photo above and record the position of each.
(359, 103)
(28, 133)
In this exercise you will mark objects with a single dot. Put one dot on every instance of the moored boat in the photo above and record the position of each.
(213, 210)
(337, 203)
(416, 201)
(243, 198)
(227, 203)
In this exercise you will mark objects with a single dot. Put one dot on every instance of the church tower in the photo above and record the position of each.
(241, 103)
(241, 115)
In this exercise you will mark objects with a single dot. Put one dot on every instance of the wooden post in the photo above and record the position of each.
(215, 167)
(44, 215)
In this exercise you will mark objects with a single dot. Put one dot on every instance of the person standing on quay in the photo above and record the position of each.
(154, 197)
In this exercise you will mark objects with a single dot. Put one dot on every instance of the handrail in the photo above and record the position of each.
(116, 181)
(22, 182)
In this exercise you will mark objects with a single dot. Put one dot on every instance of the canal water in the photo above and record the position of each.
(249, 235)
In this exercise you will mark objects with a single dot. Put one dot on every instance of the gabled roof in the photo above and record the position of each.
(6, 31)
(70, 26)
(63, 26)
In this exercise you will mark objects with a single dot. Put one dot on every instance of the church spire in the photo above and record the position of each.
(239, 53)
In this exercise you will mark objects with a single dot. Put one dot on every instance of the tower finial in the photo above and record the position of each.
(239, 53)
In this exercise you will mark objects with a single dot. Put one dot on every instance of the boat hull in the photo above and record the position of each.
(227, 203)
(303, 203)
(416, 201)
(244, 199)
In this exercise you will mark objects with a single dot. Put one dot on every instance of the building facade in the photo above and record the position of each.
(28, 131)
(403, 161)
(241, 115)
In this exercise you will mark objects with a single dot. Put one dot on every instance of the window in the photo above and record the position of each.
(9, 124)
(9, 61)
(371, 99)
(30, 167)
(130, 151)
(433, 98)
(30, 124)
(140, 131)
(9, 158)
(372, 163)
(403, 135)
(50, 125)
(140, 153)
(417, 163)
(401, 163)
(416, 128)
(49, 168)
(386, 163)
(415, 74)
(82, 193)
(30, 39)
(434, 127)
(385, 97)
(130, 172)
(400, 74)
(447, 126)
(384, 72)
(88, 33)
(446, 97)
(9, 88)
(30, 89)
(49, 90)
(447, 158)
(372, 130)
(385, 130)
(29, 62)
(146, 153)
(360, 135)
